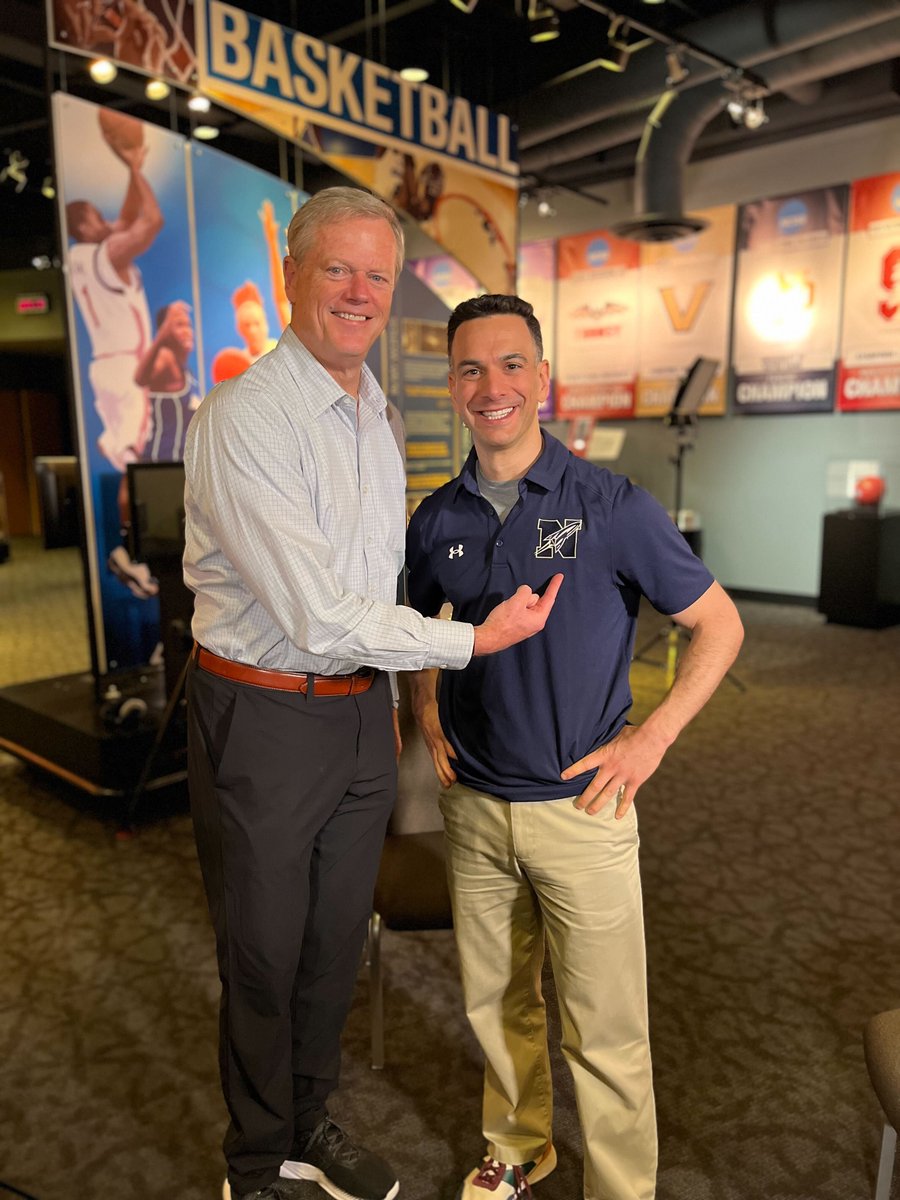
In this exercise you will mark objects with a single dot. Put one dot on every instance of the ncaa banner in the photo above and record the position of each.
(870, 341)
(685, 294)
(155, 37)
(448, 164)
(597, 326)
(787, 301)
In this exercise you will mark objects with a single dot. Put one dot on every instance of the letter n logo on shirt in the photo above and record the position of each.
(557, 538)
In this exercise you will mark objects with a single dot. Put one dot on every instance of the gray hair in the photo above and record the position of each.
(336, 204)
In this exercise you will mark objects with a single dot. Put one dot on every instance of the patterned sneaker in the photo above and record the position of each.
(341, 1169)
(495, 1180)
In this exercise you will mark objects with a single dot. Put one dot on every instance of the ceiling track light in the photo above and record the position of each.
(102, 70)
(199, 103)
(157, 89)
(544, 29)
(755, 115)
(676, 71)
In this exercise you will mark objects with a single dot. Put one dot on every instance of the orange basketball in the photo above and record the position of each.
(228, 363)
(121, 131)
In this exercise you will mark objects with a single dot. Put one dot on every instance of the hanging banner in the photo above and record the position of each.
(870, 340)
(122, 188)
(448, 279)
(597, 330)
(787, 301)
(447, 163)
(685, 292)
(537, 285)
(241, 243)
(155, 37)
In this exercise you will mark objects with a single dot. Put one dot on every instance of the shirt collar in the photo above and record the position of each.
(546, 471)
(306, 369)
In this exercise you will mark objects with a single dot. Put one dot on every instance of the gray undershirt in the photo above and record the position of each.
(501, 496)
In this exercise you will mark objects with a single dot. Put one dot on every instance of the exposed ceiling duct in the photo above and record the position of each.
(678, 120)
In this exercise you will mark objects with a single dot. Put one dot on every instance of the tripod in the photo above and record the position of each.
(672, 633)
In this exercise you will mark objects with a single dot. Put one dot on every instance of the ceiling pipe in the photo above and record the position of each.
(797, 70)
(680, 117)
(751, 36)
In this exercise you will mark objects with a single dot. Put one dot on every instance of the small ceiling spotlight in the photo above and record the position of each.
(676, 71)
(544, 29)
(465, 6)
(414, 74)
(736, 109)
(755, 115)
(199, 103)
(102, 70)
(206, 133)
(544, 208)
(157, 89)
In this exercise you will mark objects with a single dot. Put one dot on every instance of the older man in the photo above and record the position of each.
(295, 537)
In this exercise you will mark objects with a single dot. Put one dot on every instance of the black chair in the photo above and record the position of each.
(411, 890)
(881, 1041)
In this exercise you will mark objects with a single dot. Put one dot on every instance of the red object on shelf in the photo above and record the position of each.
(869, 490)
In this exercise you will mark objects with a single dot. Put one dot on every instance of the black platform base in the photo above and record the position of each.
(60, 726)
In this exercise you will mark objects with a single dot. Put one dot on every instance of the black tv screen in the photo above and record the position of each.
(156, 502)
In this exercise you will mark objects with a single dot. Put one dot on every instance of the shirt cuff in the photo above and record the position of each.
(452, 644)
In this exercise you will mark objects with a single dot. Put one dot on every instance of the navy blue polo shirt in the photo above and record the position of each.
(517, 719)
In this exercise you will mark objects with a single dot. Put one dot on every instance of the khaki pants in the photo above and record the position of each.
(520, 873)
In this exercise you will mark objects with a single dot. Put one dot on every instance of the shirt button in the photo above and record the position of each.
(499, 542)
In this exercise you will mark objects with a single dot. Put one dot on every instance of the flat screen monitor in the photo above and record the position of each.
(693, 388)
(156, 502)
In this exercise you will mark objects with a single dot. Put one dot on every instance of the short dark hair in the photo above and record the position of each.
(494, 305)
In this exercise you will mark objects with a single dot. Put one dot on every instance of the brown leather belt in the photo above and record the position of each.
(285, 681)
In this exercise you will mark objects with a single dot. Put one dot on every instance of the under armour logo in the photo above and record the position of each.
(456, 551)
(557, 537)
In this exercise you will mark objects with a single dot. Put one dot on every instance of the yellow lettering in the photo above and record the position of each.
(407, 127)
(683, 319)
(462, 135)
(433, 132)
(504, 146)
(271, 61)
(341, 68)
(482, 125)
(311, 88)
(374, 94)
(228, 52)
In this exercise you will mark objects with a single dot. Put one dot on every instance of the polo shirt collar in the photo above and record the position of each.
(324, 391)
(546, 471)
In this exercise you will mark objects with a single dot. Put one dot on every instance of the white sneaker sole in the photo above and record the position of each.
(302, 1170)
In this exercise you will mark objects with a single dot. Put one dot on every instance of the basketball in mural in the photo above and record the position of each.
(121, 131)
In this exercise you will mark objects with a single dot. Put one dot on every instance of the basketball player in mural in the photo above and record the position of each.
(174, 395)
(250, 319)
(109, 290)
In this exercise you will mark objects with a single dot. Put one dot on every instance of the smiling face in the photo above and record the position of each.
(497, 383)
(341, 294)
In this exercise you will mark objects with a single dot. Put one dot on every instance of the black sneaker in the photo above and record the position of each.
(341, 1169)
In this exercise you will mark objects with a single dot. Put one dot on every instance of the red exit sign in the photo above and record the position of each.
(32, 304)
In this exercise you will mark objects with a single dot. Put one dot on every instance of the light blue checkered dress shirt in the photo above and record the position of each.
(295, 526)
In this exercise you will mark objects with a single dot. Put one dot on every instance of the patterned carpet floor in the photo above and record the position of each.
(770, 862)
